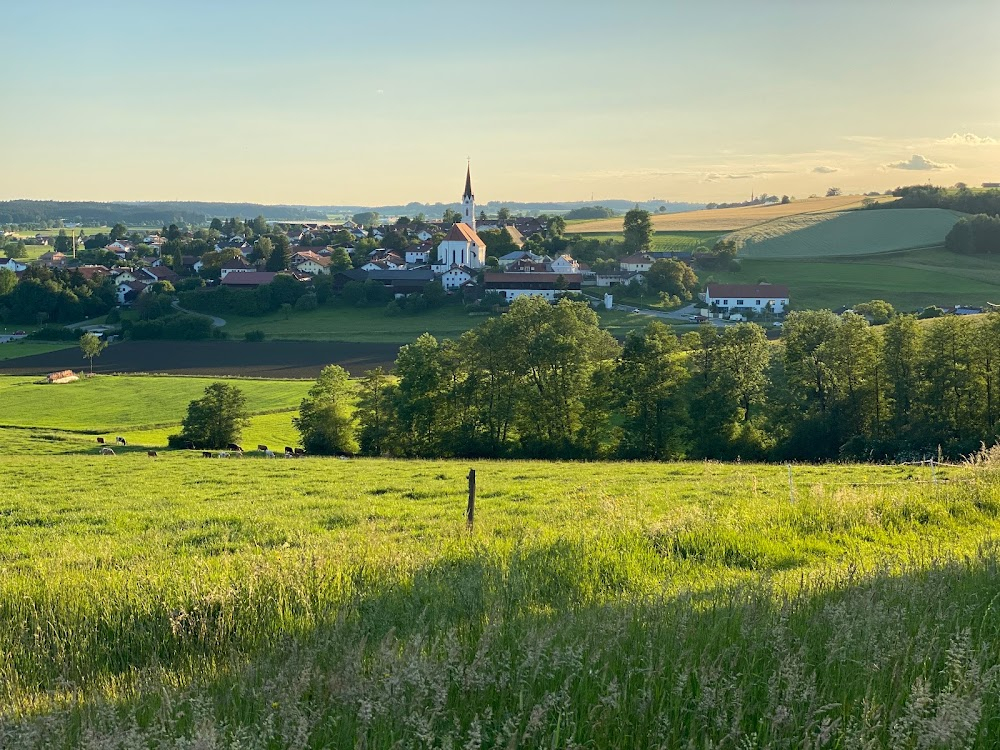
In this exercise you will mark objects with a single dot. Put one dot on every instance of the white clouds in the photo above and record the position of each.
(918, 163)
(715, 176)
(825, 170)
(968, 139)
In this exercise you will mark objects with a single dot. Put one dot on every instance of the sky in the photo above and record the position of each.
(382, 102)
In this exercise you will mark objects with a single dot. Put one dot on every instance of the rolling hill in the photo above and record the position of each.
(726, 219)
(845, 233)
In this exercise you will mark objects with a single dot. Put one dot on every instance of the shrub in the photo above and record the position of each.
(55, 333)
(254, 335)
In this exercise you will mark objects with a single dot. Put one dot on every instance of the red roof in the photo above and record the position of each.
(634, 259)
(463, 233)
(248, 278)
(768, 291)
(526, 278)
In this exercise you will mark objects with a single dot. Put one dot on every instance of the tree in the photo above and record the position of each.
(365, 218)
(557, 226)
(120, 231)
(673, 277)
(878, 311)
(638, 231)
(785, 200)
(832, 192)
(92, 345)
(64, 243)
(263, 248)
(503, 215)
(8, 280)
(451, 217)
(325, 419)
(217, 419)
(375, 412)
(340, 260)
(278, 259)
(216, 224)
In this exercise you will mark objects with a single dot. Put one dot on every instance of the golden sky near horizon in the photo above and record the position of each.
(382, 103)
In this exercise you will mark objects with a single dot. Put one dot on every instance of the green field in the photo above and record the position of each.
(682, 242)
(848, 233)
(909, 280)
(107, 404)
(15, 349)
(179, 602)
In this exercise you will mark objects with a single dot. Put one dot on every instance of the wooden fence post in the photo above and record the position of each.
(470, 511)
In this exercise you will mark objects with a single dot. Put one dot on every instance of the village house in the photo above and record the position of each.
(235, 265)
(639, 262)
(311, 263)
(731, 298)
(547, 285)
(247, 279)
(564, 264)
(399, 281)
(157, 273)
(456, 276)
(12, 265)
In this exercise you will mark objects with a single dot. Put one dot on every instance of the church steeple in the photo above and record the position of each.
(469, 201)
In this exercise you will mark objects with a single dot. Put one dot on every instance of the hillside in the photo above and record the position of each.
(726, 219)
(179, 602)
(845, 233)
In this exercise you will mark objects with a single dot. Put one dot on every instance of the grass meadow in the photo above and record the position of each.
(909, 280)
(15, 349)
(850, 233)
(682, 242)
(182, 602)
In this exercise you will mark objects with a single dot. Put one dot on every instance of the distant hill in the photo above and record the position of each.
(728, 219)
(157, 213)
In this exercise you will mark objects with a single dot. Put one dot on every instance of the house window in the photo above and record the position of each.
(758, 303)
(725, 302)
(739, 303)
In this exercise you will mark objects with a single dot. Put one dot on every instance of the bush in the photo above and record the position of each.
(307, 303)
(114, 317)
(55, 333)
(255, 335)
(179, 327)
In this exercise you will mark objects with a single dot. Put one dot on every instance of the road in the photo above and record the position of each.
(216, 322)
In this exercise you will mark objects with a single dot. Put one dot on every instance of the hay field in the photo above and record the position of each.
(726, 219)
(836, 234)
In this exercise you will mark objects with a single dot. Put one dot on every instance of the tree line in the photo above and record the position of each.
(545, 381)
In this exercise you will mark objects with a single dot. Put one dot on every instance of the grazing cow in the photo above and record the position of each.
(235, 448)
(288, 450)
(223, 454)
(268, 453)
(262, 448)
(100, 441)
(206, 454)
(300, 452)
(107, 451)
(151, 454)
(289, 455)
(120, 440)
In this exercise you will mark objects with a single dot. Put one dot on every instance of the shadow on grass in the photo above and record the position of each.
(558, 645)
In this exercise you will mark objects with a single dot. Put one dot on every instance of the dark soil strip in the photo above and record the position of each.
(275, 359)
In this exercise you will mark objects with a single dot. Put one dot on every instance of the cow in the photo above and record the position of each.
(300, 452)
(262, 448)
(206, 454)
(223, 454)
(151, 454)
(107, 451)
(100, 441)
(234, 448)
(288, 450)
(268, 453)
(120, 440)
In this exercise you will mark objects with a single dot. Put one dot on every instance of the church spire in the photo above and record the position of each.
(468, 183)
(469, 201)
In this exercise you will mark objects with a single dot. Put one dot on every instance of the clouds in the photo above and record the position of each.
(825, 170)
(716, 176)
(918, 163)
(968, 139)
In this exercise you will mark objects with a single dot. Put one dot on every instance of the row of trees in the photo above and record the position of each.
(55, 296)
(975, 235)
(546, 381)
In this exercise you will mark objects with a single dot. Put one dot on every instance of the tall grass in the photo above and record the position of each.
(322, 603)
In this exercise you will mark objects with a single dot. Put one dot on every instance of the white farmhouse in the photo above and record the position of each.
(564, 264)
(455, 276)
(755, 297)
(639, 263)
(12, 265)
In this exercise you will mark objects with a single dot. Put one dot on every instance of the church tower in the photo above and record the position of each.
(469, 201)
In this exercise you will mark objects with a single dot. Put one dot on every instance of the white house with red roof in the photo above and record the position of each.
(756, 297)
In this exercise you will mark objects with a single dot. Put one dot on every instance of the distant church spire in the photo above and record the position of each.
(469, 201)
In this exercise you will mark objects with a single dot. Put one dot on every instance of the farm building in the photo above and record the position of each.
(547, 285)
(756, 297)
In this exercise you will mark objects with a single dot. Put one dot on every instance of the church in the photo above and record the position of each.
(462, 251)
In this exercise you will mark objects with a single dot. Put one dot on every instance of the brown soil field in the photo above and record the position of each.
(277, 359)
(726, 219)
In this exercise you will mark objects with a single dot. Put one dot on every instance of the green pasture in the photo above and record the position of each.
(666, 241)
(847, 233)
(24, 348)
(313, 603)
(119, 403)
(910, 280)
